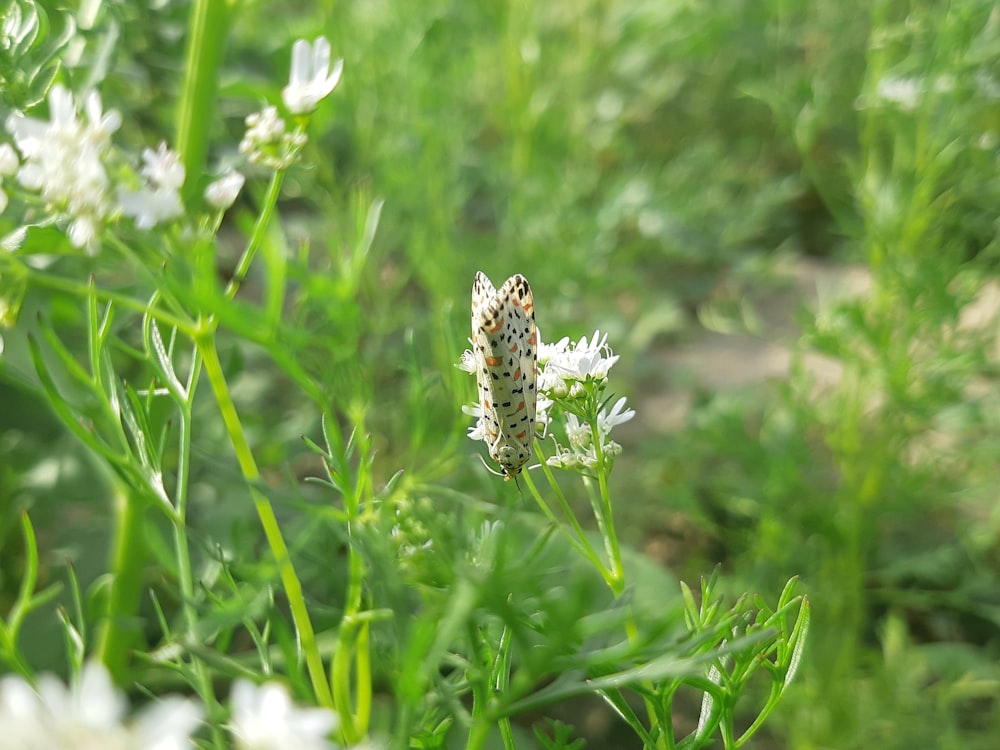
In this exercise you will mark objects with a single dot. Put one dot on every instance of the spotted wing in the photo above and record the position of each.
(505, 345)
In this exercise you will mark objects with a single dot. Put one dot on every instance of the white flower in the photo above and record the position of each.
(578, 432)
(468, 362)
(89, 715)
(478, 430)
(163, 167)
(263, 127)
(64, 160)
(150, 206)
(8, 160)
(573, 459)
(267, 142)
(159, 200)
(606, 421)
(83, 231)
(101, 125)
(264, 718)
(311, 80)
(566, 364)
(542, 417)
(903, 92)
(222, 193)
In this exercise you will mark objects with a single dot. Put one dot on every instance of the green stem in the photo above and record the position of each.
(605, 518)
(347, 644)
(580, 542)
(185, 575)
(81, 289)
(207, 32)
(479, 733)
(257, 236)
(251, 474)
(121, 630)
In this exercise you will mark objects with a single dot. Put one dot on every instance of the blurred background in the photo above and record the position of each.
(783, 212)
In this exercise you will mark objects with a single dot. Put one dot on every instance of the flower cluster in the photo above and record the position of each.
(571, 380)
(267, 139)
(70, 163)
(159, 199)
(264, 718)
(64, 160)
(268, 142)
(92, 714)
(573, 375)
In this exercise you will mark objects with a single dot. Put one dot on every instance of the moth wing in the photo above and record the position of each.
(483, 296)
(521, 310)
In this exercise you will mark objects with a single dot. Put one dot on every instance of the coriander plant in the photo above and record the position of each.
(383, 609)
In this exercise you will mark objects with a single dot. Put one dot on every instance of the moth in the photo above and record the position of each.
(505, 350)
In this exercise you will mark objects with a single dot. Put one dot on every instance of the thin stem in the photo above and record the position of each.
(251, 474)
(185, 575)
(257, 236)
(81, 289)
(347, 643)
(605, 519)
(580, 542)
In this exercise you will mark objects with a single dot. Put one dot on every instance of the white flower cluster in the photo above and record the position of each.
(88, 715)
(268, 142)
(267, 139)
(159, 199)
(92, 715)
(64, 161)
(582, 452)
(578, 372)
(571, 374)
(70, 162)
(264, 718)
(565, 366)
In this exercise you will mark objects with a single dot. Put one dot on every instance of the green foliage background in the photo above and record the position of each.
(654, 169)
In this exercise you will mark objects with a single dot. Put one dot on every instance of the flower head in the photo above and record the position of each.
(267, 142)
(64, 160)
(8, 160)
(90, 714)
(221, 193)
(587, 358)
(264, 718)
(618, 415)
(310, 80)
(159, 199)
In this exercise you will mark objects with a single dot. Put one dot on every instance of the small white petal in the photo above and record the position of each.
(222, 193)
(8, 160)
(468, 362)
(163, 167)
(82, 232)
(264, 718)
(310, 79)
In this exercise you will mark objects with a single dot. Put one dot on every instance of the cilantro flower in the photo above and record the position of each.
(310, 80)
(159, 200)
(268, 142)
(221, 193)
(64, 160)
(264, 718)
(90, 714)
